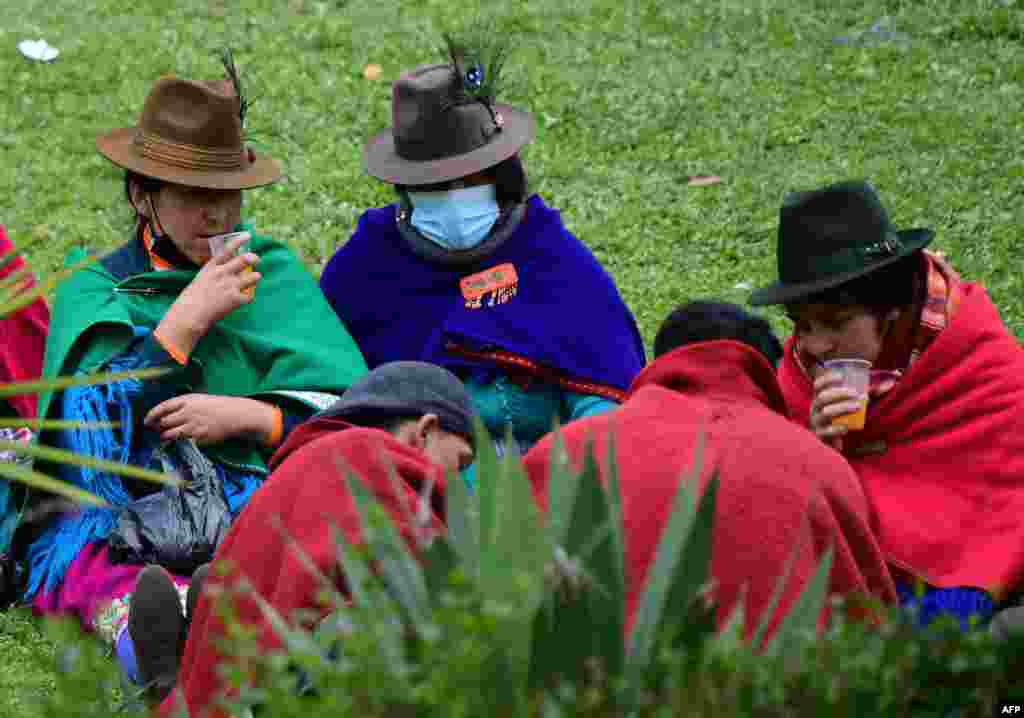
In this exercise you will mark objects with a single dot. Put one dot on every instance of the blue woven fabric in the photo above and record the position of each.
(930, 603)
(52, 552)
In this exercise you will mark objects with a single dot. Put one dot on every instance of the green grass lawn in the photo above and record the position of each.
(631, 98)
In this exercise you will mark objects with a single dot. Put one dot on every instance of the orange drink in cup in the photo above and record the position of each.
(219, 244)
(856, 375)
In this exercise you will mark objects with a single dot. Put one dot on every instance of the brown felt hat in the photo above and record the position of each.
(190, 133)
(439, 133)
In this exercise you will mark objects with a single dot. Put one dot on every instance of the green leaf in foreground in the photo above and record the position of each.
(673, 553)
(56, 424)
(70, 458)
(42, 482)
(397, 567)
(802, 617)
(42, 385)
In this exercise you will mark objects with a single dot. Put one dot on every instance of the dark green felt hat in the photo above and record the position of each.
(829, 236)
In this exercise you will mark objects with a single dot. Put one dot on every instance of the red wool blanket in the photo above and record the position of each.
(308, 495)
(783, 497)
(941, 457)
(22, 335)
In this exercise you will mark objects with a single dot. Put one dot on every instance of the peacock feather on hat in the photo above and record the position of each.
(478, 57)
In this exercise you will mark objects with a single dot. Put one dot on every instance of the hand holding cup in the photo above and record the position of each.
(840, 399)
(235, 244)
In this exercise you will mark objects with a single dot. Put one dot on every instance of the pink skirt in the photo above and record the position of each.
(96, 592)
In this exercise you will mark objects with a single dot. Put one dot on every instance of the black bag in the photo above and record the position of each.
(178, 528)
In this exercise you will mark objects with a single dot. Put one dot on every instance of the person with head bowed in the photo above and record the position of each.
(931, 430)
(470, 271)
(411, 418)
(242, 365)
(783, 497)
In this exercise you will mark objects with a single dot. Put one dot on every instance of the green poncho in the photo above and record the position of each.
(286, 346)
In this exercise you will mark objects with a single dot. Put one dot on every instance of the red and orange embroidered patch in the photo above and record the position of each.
(501, 283)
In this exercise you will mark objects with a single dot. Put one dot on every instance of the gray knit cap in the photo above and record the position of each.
(408, 388)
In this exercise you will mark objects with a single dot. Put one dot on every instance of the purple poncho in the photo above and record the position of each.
(540, 305)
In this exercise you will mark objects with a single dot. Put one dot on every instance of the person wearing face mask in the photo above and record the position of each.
(939, 453)
(241, 367)
(469, 271)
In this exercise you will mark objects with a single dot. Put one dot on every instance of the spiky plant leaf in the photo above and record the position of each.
(582, 617)
(397, 567)
(42, 482)
(487, 489)
(681, 550)
(802, 617)
(733, 631)
(295, 639)
(15, 282)
(326, 585)
(514, 550)
(758, 637)
(502, 697)
(561, 489)
(37, 386)
(56, 424)
(439, 561)
(354, 568)
(692, 571)
(614, 494)
(70, 458)
(7, 259)
(18, 297)
(462, 515)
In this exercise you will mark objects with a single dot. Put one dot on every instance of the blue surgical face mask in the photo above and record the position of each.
(457, 219)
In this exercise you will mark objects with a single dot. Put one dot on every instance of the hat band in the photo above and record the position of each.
(847, 260)
(186, 156)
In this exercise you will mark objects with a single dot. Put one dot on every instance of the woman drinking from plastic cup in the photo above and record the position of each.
(242, 370)
(940, 453)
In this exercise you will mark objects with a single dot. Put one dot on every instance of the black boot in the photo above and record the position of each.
(156, 624)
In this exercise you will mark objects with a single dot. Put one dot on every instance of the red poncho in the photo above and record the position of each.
(22, 335)
(941, 457)
(781, 491)
(309, 495)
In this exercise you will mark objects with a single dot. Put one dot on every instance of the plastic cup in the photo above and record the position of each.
(856, 375)
(219, 244)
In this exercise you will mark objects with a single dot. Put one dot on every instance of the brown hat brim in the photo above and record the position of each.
(382, 162)
(779, 293)
(118, 146)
